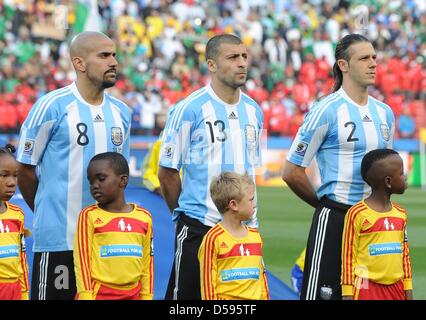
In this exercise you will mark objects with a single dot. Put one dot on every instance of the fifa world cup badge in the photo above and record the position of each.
(28, 147)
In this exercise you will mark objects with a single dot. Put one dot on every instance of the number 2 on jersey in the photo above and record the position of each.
(351, 135)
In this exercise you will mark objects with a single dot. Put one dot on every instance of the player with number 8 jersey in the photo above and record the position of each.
(61, 134)
(63, 131)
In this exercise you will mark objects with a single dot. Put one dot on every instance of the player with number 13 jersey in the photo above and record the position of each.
(208, 136)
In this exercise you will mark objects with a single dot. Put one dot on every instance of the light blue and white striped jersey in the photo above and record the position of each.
(205, 136)
(60, 135)
(339, 133)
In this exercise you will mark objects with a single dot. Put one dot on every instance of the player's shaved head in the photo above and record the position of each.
(93, 57)
(85, 42)
(213, 45)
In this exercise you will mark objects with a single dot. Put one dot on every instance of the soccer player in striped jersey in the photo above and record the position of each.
(13, 262)
(62, 132)
(215, 129)
(230, 256)
(339, 130)
(113, 254)
(375, 253)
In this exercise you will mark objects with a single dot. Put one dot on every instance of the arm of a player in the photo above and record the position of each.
(296, 178)
(170, 186)
(28, 183)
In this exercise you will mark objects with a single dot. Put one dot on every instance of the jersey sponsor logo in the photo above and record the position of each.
(169, 150)
(121, 250)
(384, 129)
(123, 226)
(384, 224)
(240, 274)
(28, 147)
(244, 251)
(388, 225)
(98, 118)
(232, 116)
(4, 228)
(301, 148)
(239, 250)
(9, 251)
(384, 248)
(250, 133)
(9, 225)
(116, 136)
(366, 118)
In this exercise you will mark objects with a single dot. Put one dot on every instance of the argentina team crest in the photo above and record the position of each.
(116, 136)
(384, 129)
(250, 132)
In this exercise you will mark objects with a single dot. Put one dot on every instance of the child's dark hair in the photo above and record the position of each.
(8, 150)
(372, 157)
(117, 160)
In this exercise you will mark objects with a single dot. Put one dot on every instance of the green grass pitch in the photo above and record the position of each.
(284, 225)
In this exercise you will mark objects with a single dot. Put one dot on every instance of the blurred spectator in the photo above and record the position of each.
(406, 125)
(160, 45)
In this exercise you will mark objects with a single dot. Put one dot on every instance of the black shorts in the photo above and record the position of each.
(184, 283)
(323, 260)
(53, 276)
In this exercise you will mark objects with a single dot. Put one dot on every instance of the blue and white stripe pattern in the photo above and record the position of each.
(339, 133)
(60, 135)
(205, 136)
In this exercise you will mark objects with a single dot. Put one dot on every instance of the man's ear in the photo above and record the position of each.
(124, 180)
(343, 65)
(211, 65)
(79, 64)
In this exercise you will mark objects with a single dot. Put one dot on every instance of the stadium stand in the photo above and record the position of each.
(161, 49)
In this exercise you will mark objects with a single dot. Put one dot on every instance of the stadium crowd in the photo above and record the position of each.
(161, 43)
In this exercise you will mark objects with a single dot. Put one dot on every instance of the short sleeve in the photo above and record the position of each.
(177, 137)
(310, 136)
(36, 131)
